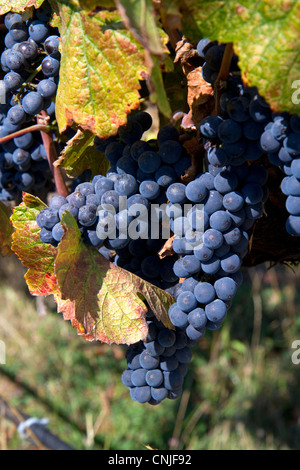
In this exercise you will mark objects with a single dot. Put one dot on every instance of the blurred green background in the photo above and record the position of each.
(241, 390)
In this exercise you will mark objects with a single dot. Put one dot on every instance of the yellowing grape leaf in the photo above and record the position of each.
(265, 36)
(107, 299)
(6, 231)
(80, 154)
(101, 68)
(18, 5)
(38, 257)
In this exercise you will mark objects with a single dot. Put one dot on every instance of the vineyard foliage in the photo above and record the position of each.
(116, 58)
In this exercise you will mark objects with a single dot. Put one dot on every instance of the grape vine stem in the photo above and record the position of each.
(52, 156)
(36, 127)
(223, 73)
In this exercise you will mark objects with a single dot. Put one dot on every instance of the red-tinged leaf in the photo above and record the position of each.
(107, 299)
(67, 308)
(38, 257)
(6, 231)
(18, 5)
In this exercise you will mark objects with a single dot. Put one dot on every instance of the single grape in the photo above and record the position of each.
(87, 215)
(138, 377)
(229, 131)
(149, 161)
(170, 151)
(38, 30)
(57, 232)
(216, 310)
(197, 318)
(32, 103)
(176, 193)
(196, 191)
(15, 60)
(50, 66)
(225, 288)
(204, 292)
(47, 218)
(154, 378)
(47, 88)
(16, 114)
(186, 301)
(51, 46)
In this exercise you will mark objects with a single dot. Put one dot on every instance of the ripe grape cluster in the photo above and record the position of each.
(257, 130)
(129, 176)
(208, 264)
(24, 167)
(97, 205)
(281, 140)
(30, 65)
(210, 217)
(157, 366)
(211, 238)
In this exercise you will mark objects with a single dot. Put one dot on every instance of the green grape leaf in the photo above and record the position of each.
(158, 92)
(18, 5)
(38, 257)
(107, 299)
(6, 231)
(265, 36)
(80, 154)
(101, 68)
(139, 17)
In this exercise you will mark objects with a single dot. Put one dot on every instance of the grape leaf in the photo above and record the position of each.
(6, 231)
(80, 154)
(265, 36)
(108, 299)
(158, 93)
(18, 5)
(67, 308)
(139, 17)
(92, 6)
(38, 257)
(101, 68)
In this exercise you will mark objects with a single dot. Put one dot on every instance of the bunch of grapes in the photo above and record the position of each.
(212, 237)
(208, 263)
(256, 131)
(210, 218)
(281, 140)
(30, 64)
(157, 366)
(140, 172)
